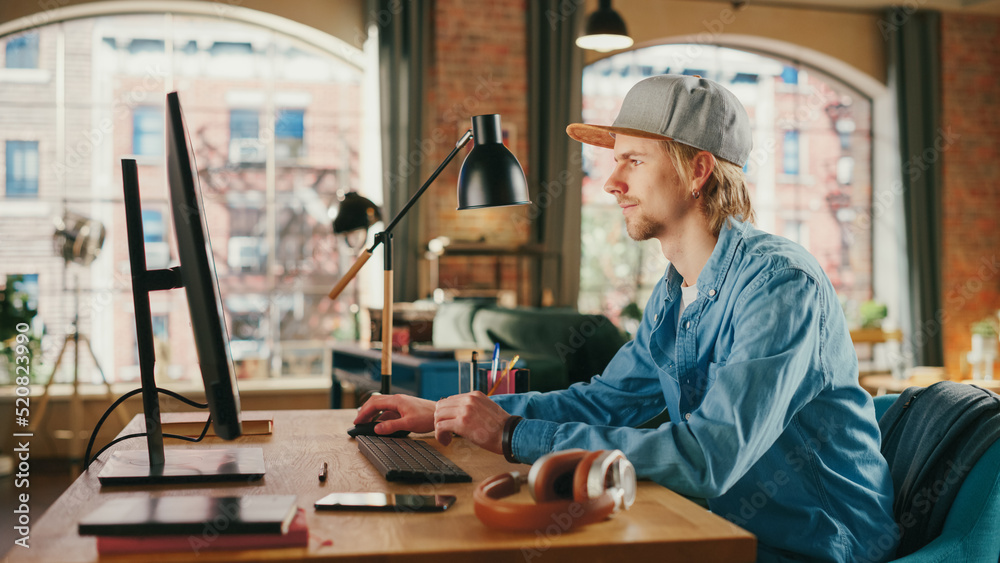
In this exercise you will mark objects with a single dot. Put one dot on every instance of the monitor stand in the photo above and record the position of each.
(152, 466)
(131, 467)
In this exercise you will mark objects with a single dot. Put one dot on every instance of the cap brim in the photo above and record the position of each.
(604, 136)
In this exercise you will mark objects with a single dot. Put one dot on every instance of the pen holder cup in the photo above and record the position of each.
(482, 380)
(517, 381)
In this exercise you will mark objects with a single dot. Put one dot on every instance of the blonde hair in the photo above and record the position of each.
(725, 191)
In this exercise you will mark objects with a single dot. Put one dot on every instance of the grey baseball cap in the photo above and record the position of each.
(688, 109)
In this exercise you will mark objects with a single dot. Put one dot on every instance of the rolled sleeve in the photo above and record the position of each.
(532, 439)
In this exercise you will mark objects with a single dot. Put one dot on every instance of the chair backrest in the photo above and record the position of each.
(970, 531)
(882, 404)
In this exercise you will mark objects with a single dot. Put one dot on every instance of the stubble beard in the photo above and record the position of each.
(640, 228)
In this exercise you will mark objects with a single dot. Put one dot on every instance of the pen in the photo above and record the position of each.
(475, 371)
(323, 471)
(506, 372)
(496, 364)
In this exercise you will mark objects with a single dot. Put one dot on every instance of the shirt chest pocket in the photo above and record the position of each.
(695, 388)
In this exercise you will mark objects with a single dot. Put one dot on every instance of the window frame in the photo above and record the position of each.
(25, 186)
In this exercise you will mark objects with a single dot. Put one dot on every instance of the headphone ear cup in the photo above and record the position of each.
(552, 480)
(581, 474)
(553, 477)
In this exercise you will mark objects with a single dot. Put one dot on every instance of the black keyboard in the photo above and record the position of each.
(403, 459)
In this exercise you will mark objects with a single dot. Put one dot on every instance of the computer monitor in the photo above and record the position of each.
(196, 274)
(201, 283)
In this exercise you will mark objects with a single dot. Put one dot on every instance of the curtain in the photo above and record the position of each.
(915, 74)
(404, 37)
(555, 70)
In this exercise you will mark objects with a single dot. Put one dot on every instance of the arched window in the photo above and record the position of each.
(809, 172)
(278, 125)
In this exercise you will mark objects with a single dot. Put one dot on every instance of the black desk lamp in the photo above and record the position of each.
(355, 213)
(490, 177)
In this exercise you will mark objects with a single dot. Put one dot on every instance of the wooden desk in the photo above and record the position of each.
(661, 526)
(879, 385)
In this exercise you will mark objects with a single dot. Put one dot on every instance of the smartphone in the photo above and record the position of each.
(385, 501)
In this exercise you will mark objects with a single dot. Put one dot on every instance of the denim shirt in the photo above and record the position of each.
(767, 420)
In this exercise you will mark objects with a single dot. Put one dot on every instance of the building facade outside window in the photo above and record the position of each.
(266, 91)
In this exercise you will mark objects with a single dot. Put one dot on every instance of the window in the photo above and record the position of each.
(154, 239)
(223, 48)
(790, 153)
(228, 73)
(790, 75)
(243, 123)
(147, 131)
(823, 212)
(139, 46)
(160, 331)
(152, 226)
(22, 169)
(744, 78)
(244, 128)
(22, 51)
(289, 125)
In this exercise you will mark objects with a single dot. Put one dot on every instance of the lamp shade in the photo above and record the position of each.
(356, 212)
(491, 176)
(605, 30)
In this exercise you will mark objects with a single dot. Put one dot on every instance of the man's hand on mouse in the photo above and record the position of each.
(471, 415)
(401, 412)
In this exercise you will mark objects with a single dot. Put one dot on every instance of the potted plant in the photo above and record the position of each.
(15, 310)
(872, 313)
(984, 337)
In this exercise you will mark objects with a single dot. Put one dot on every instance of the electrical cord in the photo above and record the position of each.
(93, 435)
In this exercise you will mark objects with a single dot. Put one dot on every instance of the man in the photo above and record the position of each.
(742, 342)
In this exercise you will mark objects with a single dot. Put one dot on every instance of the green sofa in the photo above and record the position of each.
(559, 346)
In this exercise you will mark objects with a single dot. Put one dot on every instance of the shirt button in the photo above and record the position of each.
(711, 292)
(687, 324)
(656, 317)
(687, 416)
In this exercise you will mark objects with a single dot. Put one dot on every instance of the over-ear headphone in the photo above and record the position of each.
(571, 488)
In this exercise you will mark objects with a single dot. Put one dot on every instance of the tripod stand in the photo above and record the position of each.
(76, 414)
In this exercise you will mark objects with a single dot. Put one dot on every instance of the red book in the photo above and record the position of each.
(297, 536)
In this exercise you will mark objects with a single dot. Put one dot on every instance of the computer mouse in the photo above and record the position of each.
(368, 429)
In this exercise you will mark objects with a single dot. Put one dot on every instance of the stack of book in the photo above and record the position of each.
(143, 524)
(191, 423)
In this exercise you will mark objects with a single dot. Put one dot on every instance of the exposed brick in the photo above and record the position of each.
(970, 57)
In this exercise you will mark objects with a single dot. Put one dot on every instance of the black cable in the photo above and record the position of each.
(204, 431)
(93, 435)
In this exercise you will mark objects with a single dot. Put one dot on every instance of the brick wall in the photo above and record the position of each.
(480, 66)
(971, 195)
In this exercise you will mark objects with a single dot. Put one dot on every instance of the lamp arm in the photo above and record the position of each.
(364, 256)
(458, 146)
(353, 271)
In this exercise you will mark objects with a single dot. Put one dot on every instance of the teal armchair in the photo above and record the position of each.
(972, 529)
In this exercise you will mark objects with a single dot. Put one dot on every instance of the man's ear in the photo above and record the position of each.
(702, 166)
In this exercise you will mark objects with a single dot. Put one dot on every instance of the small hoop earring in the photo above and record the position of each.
(696, 194)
